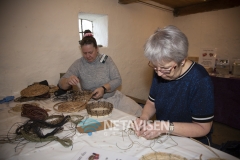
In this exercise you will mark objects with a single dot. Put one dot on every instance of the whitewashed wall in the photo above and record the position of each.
(39, 40)
(217, 29)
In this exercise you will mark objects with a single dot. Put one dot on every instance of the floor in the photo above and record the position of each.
(226, 139)
(223, 133)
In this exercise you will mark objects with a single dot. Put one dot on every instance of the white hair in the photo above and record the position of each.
(167, 44)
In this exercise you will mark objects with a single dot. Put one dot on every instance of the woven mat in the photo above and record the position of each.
(162, 156)
(34, 90)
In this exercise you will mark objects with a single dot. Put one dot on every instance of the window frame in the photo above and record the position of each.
(81, 23)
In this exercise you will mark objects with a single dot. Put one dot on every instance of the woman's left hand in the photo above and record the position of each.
(98, 93)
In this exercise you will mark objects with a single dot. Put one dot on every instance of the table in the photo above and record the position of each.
(227, 101)
(113, 140)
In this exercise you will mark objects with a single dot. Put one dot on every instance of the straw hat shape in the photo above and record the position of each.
(34, 90)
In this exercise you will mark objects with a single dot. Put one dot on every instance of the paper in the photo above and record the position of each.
(91, 153)
(207, 57)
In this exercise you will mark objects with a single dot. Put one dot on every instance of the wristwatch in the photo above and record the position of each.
(104, 88)
(171, 127)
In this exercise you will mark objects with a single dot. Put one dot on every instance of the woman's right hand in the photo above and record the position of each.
(73, 80)
(147, 128)
(138, 125)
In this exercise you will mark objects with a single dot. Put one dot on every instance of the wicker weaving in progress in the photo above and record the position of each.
(81, 96)
(70, 107)
(100, 108)
(77, 101)
(162, 156)
(34, 90)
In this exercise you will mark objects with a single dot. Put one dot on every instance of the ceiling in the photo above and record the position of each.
(186, 7)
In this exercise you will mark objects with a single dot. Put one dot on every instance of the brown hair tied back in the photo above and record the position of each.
(88, 39)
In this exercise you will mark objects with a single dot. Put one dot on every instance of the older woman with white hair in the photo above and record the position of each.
(181, 93)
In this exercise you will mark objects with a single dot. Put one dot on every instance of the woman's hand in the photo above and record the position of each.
(137, 126)
(98, 93)
(72, 80)
(147, 129)
(151, 130)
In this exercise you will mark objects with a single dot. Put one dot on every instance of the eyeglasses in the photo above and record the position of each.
(162, 70)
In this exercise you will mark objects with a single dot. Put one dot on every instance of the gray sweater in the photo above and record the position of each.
(96, 74)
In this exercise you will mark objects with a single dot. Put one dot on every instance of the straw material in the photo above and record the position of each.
(162, 156)
(100, 108)
(34, 90)
(53, 88)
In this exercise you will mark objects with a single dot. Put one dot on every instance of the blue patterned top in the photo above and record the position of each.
(185, 99)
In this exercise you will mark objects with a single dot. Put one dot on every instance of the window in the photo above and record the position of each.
(83, 25)
(97, 23)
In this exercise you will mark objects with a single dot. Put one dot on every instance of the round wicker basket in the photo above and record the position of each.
(100, 108)
(162, 156)
(34, 90)
(70, 107)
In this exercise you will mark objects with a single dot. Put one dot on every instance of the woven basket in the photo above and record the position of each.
(100, 108)
(162, 156)
(70, 107)
(34, 90)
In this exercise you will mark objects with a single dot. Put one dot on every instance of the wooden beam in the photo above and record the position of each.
(127, 1)
(207, 6)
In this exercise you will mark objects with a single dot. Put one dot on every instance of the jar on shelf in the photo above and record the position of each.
(223, 67)
(236, 67)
